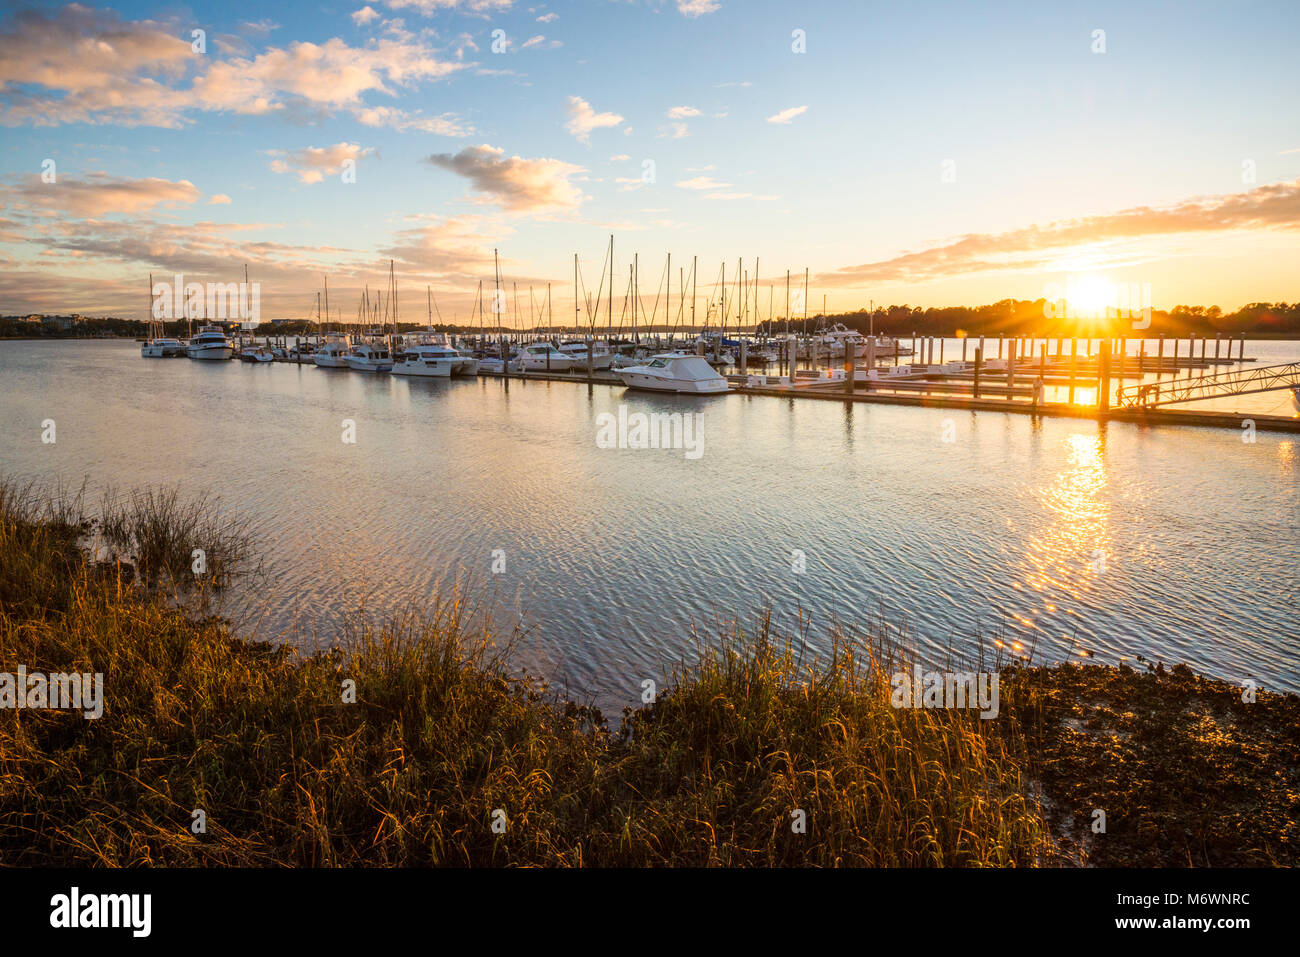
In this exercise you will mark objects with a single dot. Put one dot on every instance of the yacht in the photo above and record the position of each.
(544, 357)
(433, 360)
(601, 357)
(1295, 398)
(333, 354)
(162, 348)
(256, 354)
(369, 357)
(211, 343)
(302, 353)
(674, 372)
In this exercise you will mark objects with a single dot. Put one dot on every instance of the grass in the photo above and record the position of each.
(440, 740)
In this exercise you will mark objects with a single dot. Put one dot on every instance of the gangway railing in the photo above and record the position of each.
(1194, 388)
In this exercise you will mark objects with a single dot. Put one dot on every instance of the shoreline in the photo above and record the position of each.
(441, 736)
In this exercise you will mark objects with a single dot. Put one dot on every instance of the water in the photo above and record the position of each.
(1178, 544)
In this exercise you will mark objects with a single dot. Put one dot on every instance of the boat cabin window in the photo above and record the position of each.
(658, 364)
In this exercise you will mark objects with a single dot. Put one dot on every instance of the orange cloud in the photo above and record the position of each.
(516, 183)
(1275, 206)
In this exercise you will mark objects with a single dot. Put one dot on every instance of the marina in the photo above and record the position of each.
(614, 557)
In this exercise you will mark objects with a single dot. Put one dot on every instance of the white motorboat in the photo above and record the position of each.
(256, 354)
(369, 357)
(544, 357)
(210, 343)
(674, 372)
(433, 360)
(601, 357)
(333, 354)
(1295, 398)
(162, 349)
(302, 354)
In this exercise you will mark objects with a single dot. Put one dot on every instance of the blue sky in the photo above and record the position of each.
(933, 153)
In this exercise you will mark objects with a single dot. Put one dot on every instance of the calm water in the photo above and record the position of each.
(612, 555)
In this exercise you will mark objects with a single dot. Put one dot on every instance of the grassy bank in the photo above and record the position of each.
(443, 741)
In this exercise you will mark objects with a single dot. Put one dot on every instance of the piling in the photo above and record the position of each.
(1103, 377)
(1074, 362)
(979, 363)
(1011, 363)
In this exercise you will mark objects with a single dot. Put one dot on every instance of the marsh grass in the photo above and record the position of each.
(441, 736)
(159, 531)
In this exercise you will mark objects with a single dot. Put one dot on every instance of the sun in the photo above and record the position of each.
(1091, 296)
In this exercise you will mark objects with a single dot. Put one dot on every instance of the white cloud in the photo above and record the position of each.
(702, 182)
(430, 7)
(785, 116)
(516, 183)
(219, 199)
(683, 112)
(619, 158)
(366, 14)
(548, 18)
(88, 66)
(583, 119)
(314, 163)
(697, 8)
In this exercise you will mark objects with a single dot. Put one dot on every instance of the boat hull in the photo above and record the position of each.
(217, 353)
(650, 383)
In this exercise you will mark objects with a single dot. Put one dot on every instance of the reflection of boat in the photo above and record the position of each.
(674, 372)
(210, 343)
(369, 357)
(1295, 398)
(162, 349)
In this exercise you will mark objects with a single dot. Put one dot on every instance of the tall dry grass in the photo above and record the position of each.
(442, 737)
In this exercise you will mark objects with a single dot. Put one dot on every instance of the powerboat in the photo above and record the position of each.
(601, 357)
(675, 372)
(162, 349)
(433, 360)
(369, 357)
(544, 357)
(211, 343)
(256, 354)
(1295, 398)
(333, 354)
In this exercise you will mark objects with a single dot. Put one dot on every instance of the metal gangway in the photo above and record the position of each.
(1216, 385)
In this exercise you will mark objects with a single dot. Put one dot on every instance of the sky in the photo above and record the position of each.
(923, 153)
